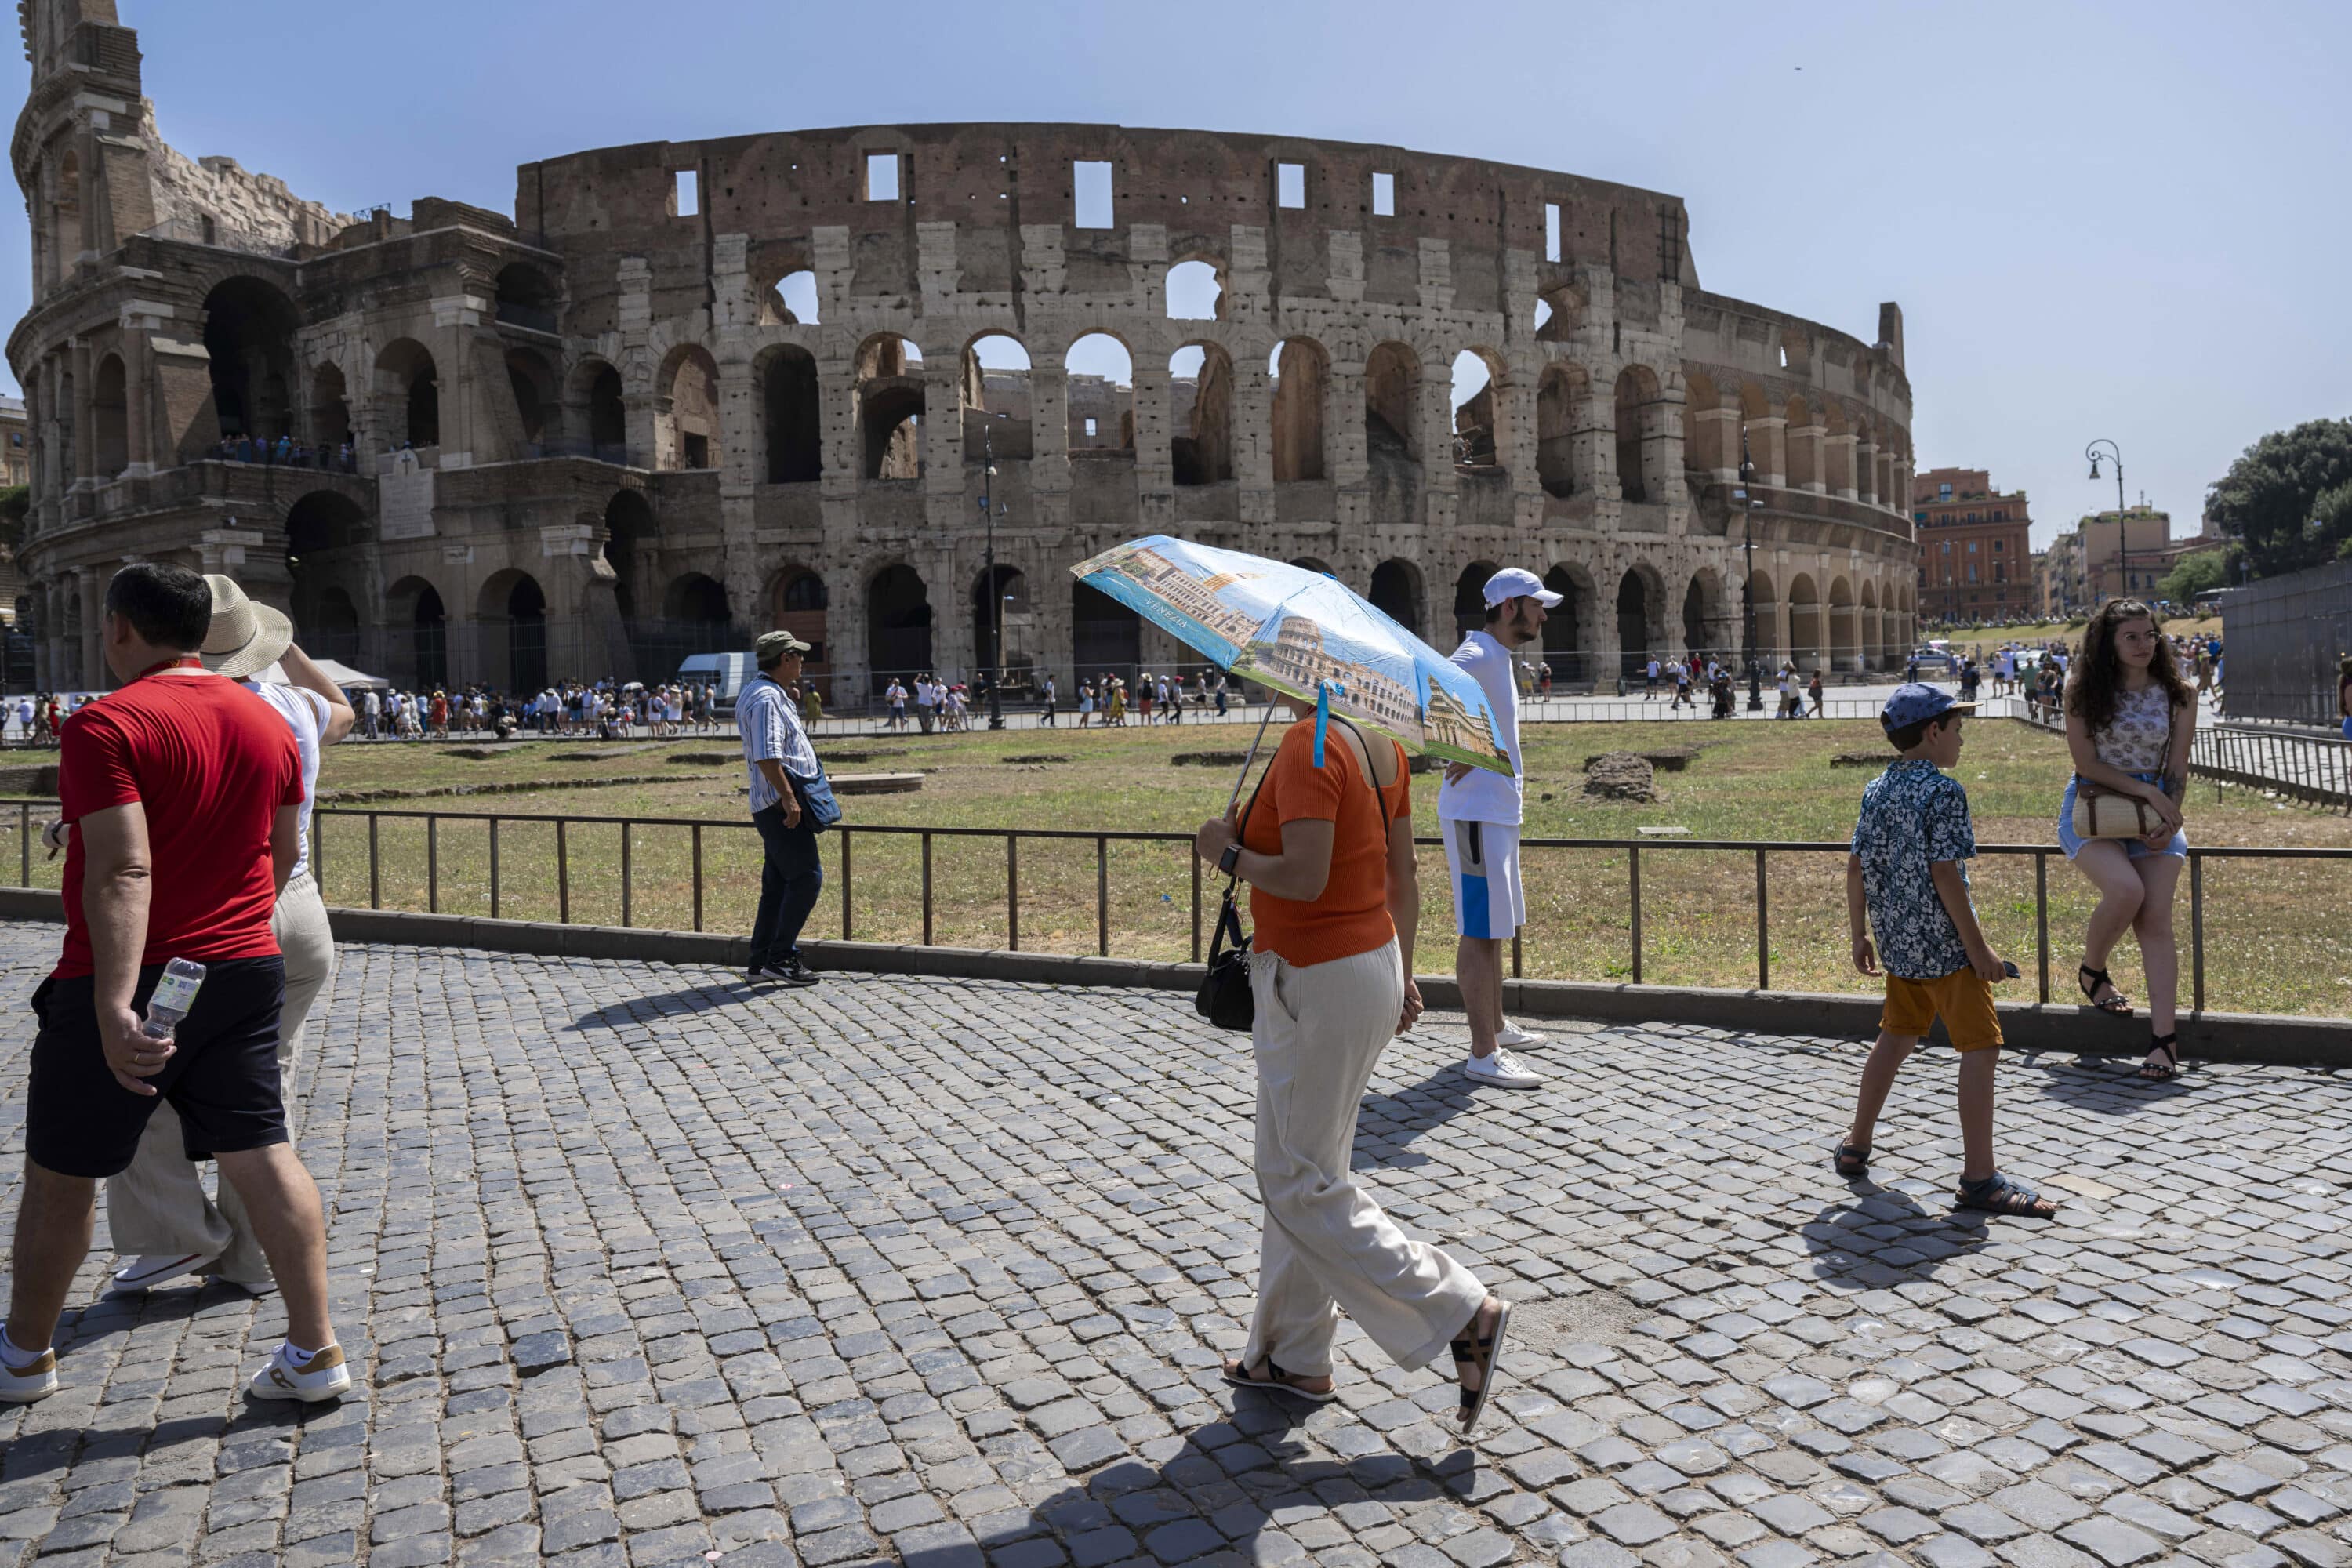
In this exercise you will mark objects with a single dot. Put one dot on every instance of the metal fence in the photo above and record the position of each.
(478, 852)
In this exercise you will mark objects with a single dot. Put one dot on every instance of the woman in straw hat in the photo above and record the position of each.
(162, 1221)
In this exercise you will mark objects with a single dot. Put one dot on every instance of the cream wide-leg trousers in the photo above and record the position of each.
(1320, 1030)
(158, 1208)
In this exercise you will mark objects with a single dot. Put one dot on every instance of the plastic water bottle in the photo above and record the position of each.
(175, 993)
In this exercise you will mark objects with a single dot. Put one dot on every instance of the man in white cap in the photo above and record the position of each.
(1478, 813)
(162, 1221)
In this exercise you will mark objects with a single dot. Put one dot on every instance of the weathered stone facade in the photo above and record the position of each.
(692, 388)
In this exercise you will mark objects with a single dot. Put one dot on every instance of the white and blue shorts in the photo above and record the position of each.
(1483, 859)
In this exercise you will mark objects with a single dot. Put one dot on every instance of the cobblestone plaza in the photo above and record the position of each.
(640, 1268)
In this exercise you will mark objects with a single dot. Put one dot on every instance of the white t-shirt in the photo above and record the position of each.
(1485, 795)
(306, 714)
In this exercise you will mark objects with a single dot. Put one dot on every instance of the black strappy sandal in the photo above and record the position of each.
(1483, 1351)
(1275, 1381)
(1851, 1160)
(2091, 979)
(2168, 1070)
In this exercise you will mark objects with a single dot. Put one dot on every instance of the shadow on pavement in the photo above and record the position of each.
(1387, 1122)
(670, 1004)
(1885, 1237)
(2108, 1085)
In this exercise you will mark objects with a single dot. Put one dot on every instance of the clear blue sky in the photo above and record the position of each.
(2125, 219)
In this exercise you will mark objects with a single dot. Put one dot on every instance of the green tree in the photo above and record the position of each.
(2195, 573)
(2288, 500)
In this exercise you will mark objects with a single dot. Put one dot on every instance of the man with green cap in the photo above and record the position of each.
(791, 804)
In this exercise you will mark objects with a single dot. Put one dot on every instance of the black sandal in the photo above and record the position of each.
(1483, 1351)
(1998, 1195)
(2168, 1070)
(2091, 979)
(1853, 1160)
(1275, 1381)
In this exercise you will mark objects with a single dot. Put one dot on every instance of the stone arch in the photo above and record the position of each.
(528, 296)
(686, 415)
(405, 377)
(1102, 403)
(1470, 597)
(696, 598)
(1804, 441)
(1560, 313)
(1396, 593)
(890, 408)
(897, 626)
(1479, 439)
(1641, 621)
(1709, 628)
(512, 609)
(109, 414)
(789, 414)
(1301, 371)
(1192, 282)
(1569, 625)
(1105, 635)
(1312, 563)
(798, 602)
(330, 405)
(1805, 628)
(1561, 394)
(249, 326)
(791, 301)
(1874, 627)
(539, 407)
(1767, 610)
(993, 391)
(1843, 649)
(629, 530)
(1392, 401)
(1201, 399)
(1009, 603)
(1705, 435)
(1639, 424)
(416, 624)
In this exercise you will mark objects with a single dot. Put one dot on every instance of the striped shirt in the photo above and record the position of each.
(772, 731)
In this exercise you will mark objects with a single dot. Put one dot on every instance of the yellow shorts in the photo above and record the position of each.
(1961, 999)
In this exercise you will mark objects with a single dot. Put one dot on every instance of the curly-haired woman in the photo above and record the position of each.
(2129, 719)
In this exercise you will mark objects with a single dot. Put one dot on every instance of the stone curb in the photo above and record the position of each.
(2325, 1043)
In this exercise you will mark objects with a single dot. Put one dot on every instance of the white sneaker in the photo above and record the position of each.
(24, 1386)
(145, 1273)
(322, 1377)
(1502, 1070)
(1512, 1037)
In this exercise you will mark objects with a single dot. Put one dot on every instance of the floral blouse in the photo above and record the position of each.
(2135, 742)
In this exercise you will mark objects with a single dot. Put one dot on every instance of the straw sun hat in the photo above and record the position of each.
(245, 639)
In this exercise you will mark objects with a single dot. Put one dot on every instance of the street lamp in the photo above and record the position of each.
(2123, 524)
(1747, 497)
(995, 589)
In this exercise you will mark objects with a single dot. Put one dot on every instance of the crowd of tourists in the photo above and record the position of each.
(604, 709)
(285, 452)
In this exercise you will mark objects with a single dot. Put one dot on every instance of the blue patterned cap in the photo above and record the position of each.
(1915, 701)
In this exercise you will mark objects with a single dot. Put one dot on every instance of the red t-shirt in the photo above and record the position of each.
(211, 763)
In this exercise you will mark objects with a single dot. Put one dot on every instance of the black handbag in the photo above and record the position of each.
(1224, 998)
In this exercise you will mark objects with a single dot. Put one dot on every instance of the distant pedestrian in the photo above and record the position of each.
(1650, 681)
(897, 698)
(791, 804)
(1047, 693)
(2344, 693)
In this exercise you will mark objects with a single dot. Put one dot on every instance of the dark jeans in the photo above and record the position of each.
(790, 876)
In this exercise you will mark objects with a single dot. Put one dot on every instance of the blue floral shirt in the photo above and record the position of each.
(1913, 815)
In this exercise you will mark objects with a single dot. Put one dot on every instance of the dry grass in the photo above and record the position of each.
(2268, 945)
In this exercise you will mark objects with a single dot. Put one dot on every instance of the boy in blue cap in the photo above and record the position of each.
(1906, 870)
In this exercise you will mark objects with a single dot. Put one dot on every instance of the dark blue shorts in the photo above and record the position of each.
(222, 1078)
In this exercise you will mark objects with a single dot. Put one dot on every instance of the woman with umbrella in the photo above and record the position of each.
(1326, 846)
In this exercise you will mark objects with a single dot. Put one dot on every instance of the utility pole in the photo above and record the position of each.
(2123, 523)
(1746, 494)
(995, 589)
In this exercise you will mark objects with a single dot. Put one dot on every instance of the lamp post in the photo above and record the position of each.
(1746, 494)
(995, 589)
(2122, 523)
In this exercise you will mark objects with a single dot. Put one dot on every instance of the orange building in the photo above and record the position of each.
(1974, 562)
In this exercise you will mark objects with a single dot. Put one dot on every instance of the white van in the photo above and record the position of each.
(730, 672)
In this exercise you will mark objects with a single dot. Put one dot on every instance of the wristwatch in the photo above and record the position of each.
(1230, 858)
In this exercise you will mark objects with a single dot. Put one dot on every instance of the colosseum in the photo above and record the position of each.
(805, 379)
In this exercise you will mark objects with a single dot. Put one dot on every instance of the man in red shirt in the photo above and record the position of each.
(184, 790)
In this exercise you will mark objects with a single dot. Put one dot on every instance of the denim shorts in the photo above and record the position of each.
(2071, 842)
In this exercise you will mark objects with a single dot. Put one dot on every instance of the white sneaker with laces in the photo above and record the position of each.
(22, 1385)
(322, 1377)
(145, 1273)
(1512, 1037)
(1500, 1070)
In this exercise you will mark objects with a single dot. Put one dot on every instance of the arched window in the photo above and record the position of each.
(405, 374)
(1100, 392)
(1637, 430)
(1392, 402)
(1477, 429)
(250, 344)
(1301, 371)
(995, 392)
(685, 421)
(1201, 413)
(890, 407)
(788, 405)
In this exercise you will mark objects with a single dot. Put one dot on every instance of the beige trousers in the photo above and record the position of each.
(1320, 1030)
(158, 1208)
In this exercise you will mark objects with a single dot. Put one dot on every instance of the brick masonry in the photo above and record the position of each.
(640, 1268)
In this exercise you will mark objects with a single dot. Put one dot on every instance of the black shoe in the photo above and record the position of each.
(762, 974)
(792, 972)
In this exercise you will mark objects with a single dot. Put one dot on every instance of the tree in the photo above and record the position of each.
(2195, 573)
(2289, 497)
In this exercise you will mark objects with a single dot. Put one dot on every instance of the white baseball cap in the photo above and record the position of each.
(1519, 583)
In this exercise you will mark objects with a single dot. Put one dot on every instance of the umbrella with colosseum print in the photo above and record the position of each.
(1307, 635)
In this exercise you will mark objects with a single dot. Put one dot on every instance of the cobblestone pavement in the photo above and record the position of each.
(639, 1268)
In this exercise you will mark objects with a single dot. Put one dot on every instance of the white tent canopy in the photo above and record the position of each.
(344, 676)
